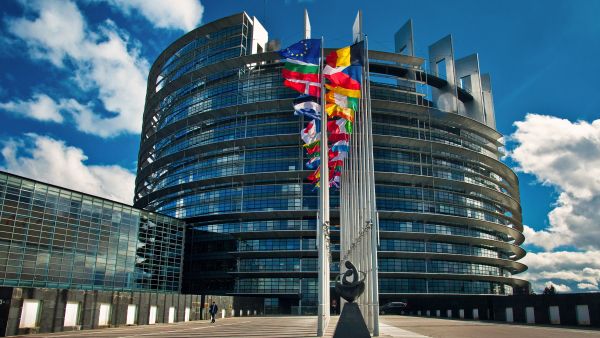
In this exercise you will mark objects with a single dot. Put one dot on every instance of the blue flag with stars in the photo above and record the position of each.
(308, 50)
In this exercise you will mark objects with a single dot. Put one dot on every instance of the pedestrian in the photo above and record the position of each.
(334, 306)
(213, 311)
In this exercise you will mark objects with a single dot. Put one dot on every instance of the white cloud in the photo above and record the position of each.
(101, 59)
(586, 286)
(562, 267)
(52, 161)
(40, 107)
(566, 156)
(181, 14)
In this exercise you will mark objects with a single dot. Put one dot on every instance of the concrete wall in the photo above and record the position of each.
(223, 302)
(574, 309)
(53, 302)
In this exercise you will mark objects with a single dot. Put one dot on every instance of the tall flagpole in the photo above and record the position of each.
(373, 202)
(323, 280)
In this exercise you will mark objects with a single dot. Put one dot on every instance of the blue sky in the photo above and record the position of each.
(65, 120)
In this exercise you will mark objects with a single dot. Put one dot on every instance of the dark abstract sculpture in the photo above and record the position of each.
(351, 323)
(350, 290)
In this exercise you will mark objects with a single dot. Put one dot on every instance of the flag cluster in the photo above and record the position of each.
(343, 70)
(301, 72)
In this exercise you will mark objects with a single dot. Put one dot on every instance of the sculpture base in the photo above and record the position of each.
(351, 323)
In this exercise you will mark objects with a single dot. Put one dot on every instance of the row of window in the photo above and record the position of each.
(438, 247)
(221, 97)
(385, 265)
(446, 229)
(277, 244)
(386, 285)
(201, 47)
(437, 266)
(271, 225)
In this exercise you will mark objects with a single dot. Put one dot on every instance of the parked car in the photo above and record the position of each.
(392, 308)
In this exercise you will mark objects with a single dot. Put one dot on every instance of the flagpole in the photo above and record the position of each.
(323, 224)
(373, 202)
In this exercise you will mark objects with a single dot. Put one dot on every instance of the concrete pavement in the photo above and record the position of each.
(298, 327)
(448, 328)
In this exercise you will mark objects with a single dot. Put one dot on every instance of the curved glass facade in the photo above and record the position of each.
(220, 149)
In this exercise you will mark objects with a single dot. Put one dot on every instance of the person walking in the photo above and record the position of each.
(213, 311)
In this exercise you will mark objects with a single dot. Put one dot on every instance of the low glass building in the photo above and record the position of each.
(220, 149)
(53, 237)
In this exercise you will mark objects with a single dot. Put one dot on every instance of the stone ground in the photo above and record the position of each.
(391, 326)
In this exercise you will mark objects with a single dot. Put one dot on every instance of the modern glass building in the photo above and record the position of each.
(220, 149)
(52, 237)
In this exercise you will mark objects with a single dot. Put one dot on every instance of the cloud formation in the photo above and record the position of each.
(49, 160)
(40, 107)
(102, 59)
(564, 155)
(578, 269)
(182, 14)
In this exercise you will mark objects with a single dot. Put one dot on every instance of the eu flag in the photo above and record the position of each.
(308, 51)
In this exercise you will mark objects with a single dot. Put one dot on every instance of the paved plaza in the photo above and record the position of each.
(391, 326)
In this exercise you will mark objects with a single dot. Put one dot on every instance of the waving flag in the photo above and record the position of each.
(303, 86)
(313, 149)
(305, 51)
(344, 70)
(347, 56)
(346, 77)
(338, 156)
(311, 133)
(313, 163)
(354, 93)
(340, 146)
(339, 126)
(301, 70)
(335, 181)
(342, 100)
(336, 165)
(333, 110)
(315, 176)
(334, 138)
(308, 106)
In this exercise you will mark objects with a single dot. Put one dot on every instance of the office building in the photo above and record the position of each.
(69, 260)
(220, 149)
